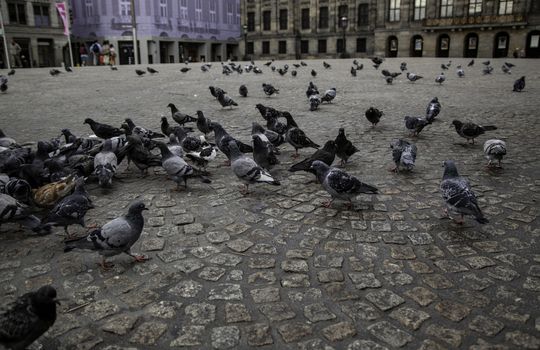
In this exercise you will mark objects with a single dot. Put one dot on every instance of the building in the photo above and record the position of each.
(37, 29)
(342, 28)
(168, 31)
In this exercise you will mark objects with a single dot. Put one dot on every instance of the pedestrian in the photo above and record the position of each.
(96, 51)
(15, 52)
(516, 52)
(105, 53)
(83, 53)
(112, 55)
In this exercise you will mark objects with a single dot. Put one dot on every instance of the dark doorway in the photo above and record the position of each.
(392, 46)
(500, 46)
(190, 51)
(532, 50)
(470, 46)
(164, 52)
(216, 52)
(443, 45)
(231, 49)
(125, 49)
(417, 46)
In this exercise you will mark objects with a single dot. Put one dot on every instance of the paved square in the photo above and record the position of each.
(274, 269)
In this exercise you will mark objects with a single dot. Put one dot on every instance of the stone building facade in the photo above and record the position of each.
(392, 28)
(37, 29)
(168, 31)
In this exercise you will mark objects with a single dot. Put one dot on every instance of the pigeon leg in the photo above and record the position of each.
(394, 170)
(327, 204)
(350, 205)
(461, 221)
(105, 266)
(244, 189)
(295, 155)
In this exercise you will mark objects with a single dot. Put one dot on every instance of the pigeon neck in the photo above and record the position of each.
(136, 219)
(44, 309)
(165, 152)
(173, 108)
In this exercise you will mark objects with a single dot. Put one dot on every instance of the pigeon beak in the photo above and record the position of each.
(145, 208)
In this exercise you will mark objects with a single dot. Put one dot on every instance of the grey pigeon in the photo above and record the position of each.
(105, 164)
(224, 100)
(269, 89)
(433, 110)
(3, 83)
(175, 147)
(339, 184)
(519, 84)
(223, 139)
(314, 102)
(460, 72)
(329, 95)
(11, 210)
(6, 141)
(353, 71)
(470, 131)
(440, 78)
(415, 125)
(263, 152)
(115, 237)
(506, 69)
(71, 209)
(494, 150)
(273, 137)
(413, 77)
(203, 156)
(179, 117)
(27, 318)
(487, 70)
(403, 154)
(458, 195)
(247, 170)
(177, 168)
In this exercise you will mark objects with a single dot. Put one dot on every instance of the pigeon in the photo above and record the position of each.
(17, 188)
(470, 131)
(377, 60)
(167, 129)
(142, 132)
(376, 66)
(214, 91)
(444, 67)
(294, 73)
(204, 124)
(353, 71)
(11, 210)
(339, 184)
(326, 65)
(103, 131)
(11, 72)
(243, 91)
(487, 70)
(373, 115)
(506, 69)
(185, 69)
(403, 154)
(471, 63)
(115, 237)
(177, 168)
(151, 70)
(415, 125)
(180, 117)
(6, 141)
(403, 66)
(326, 154)
(440, 78)
(389, 80)
(278, 127)
(114, 68)
(494, 150)
(105, 163)
(303, 64)
(264, 152)
(297, 138)
(257, 70)
(140, 72)
(273, 68)
(138, 154)
(271, 136)
(344, 148)
(269, 90)
(519, 84)
(224, 100)
(314, 102)
(188, 143)
(54, 72)
(313, 73)
(311, 90)
(486, 63)
(71, 209)
(269, 63)
(247, 170)
(204, 68)
(460, 72)
(387, 73)
(28, 318)
(68, 69)
(174, 146)
(433, 110)
(458, 195)
(223, 139)
(413, 77)
(508, 64)
(359, 67)
(329, 95)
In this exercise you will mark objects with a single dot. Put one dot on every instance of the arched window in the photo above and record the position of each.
(443, 45)
(417, 46)
(500, 45)
(392, 46)
(470, 46)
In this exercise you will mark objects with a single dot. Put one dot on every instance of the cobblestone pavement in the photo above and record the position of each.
(275, 269)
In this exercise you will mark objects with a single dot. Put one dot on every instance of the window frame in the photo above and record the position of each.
(283, 19)
(250, 48)
(324, 45)
(163, 8)
(124, 6)
(358, 40)
(446, 8)
(265, 50)
(306, 43)
(267, 20)
(394, 11)
(282, 47)
(419, 10)
(39, 15)
(323, 20)
(508, 10)
(475, 7)
(305, 21)
(250, 21)
(363, 15)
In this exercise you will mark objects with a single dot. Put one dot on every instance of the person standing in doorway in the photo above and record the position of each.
(15, 52)
(83, 53)
(112, 55)
(96, 51)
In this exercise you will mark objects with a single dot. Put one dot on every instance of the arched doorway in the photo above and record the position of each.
(470, 46)
(443, 45)
(500, 46)
(532, 50)
(392, 46)
(417, 46)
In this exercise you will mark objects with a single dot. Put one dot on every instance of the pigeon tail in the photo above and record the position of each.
(365, 188)
(81, 243)
(268, 179)
(304, 165)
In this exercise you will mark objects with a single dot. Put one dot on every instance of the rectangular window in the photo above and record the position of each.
(163, 8)
(506, 7)
(339, 45)
(251, 21)
(363, 15)
(230, 16)
(343, 11)
(323, 17)
(198, 10)
(475, 7)
(266, 47)
(282, 46)
(283, 18)
(17, 13)
(305, 18)
(213, 12)
(322, 46)
(361, 45)
(394, 11)
(447, 8)
(250, 48)
(183, 9)
(266, 20)
(419, 10)
(125, 7)
(41, 16)
(304, 46)
(89, 7)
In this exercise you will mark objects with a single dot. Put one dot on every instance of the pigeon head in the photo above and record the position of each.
(137, 208)
(173, 140)
(130, 123)
(126, 128)
(200, 114)
(170, 105)
(450, 169)
(341, 131)
(88, 121)
(457, 123)
(256, 128)
(44, 302)
(319, 167)
(435, 99)
(330, 146)
(164, 120)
